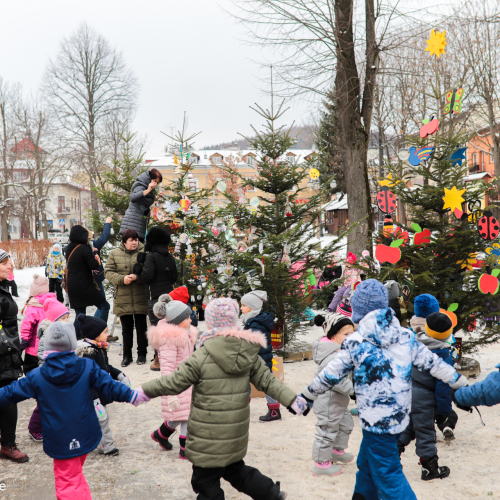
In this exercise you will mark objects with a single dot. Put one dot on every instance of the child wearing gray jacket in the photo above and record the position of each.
(334, 421)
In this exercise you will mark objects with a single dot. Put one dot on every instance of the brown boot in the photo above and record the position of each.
(155, 365)
(13, 453)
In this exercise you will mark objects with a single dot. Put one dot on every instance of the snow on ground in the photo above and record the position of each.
(281, 450)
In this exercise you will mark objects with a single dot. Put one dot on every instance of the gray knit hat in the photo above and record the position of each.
(60, 336)
(3, 255)
(254, 300)
(173, 311)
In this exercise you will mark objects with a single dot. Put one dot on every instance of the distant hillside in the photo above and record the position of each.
(303, 134)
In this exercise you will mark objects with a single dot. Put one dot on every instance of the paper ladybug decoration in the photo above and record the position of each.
(487, 226)
(386, 200)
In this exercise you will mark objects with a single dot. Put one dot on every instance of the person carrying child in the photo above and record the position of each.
(220, 372)
(56, 265)
(334, 421)
(63, 388)
(95, 347)
(445, 416)
(382, 354)
(427, 393)
(254, 318)
(174, 339)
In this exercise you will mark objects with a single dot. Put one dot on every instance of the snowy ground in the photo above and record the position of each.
(281, 450)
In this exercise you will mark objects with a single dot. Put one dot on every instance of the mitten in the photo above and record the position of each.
(100, 409)
(299, 406)
(139, 397)
(173, 403)
(460, 382)
(141, 257)
(124, 379)
(137, 269)
(462, 407)
(353, 396)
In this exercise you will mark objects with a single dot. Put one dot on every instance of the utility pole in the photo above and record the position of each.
(380, 170)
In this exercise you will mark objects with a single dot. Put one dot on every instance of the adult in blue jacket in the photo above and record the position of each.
(254, 318)
(484, 393)
(98, 244)
(63, 389)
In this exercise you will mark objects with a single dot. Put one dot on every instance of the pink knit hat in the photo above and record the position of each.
(222, 313)
(54, 310)
(39, 285)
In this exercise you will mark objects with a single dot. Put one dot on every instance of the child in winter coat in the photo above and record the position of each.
(56, 265)
(182, 295)
(426, 392)
(381, 353)
(220, 372)
(445, 416)
(254, 318)
(334, 421)
(54, 311)
(34, 315)
(63, 388)
(95, 347)
(393, 291)
(174, 339)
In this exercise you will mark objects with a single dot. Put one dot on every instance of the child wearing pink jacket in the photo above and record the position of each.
(174, 339)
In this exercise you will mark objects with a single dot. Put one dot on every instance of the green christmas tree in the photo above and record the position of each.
(282, 248)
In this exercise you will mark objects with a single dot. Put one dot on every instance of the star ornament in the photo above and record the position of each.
(436, 43)
(389, 182)
(453, 198)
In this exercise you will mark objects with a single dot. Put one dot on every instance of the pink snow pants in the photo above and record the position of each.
(70, 481)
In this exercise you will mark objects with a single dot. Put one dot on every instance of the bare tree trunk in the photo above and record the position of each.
(4, 216)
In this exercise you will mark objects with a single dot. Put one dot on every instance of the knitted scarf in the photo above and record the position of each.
(100, 345)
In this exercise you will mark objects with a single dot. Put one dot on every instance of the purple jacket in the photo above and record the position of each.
(342, 292)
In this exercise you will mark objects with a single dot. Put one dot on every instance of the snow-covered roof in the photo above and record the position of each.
(205, 154)
(337, 204)
(477, 176)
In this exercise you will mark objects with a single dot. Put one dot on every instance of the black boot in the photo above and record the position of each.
(273, 414)
(431, 469)
(126, 360)
(161, 436)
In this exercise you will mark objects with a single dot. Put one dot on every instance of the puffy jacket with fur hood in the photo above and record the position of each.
(174, 345)
(382, 354)
(220, 372)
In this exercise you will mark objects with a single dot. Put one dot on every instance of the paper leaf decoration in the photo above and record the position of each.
(391, 254)
(417, 156)
(386, 201)
(487, 226)
(422, 236)
(450, 312)
(399, 234)
(429, 127)
(453, 307)
(458, 156)
(469, 262)
(389, 182)
(453, 101)
(453, 198)
(436, 43)
(314, 173)
(488, 283)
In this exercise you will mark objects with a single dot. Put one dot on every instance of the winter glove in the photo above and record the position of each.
(100, 409)
(173, 403)
(141, 258)
(299, 406)
(139, 397)
(137, 269)
(461, 407)
(460, 382)
(124, 379)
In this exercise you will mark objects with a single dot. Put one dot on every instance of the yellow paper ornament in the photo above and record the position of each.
(453, 198)
(314, 173)
(389, 182)
(436, 43)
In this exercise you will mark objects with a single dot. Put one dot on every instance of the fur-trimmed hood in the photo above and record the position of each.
(251, 336)
(165, 333)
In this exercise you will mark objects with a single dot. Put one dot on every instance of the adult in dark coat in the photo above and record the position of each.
(142, 196)
(83, 291)
(10, 363)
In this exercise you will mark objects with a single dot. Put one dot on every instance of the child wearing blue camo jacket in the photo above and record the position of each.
(382, 354)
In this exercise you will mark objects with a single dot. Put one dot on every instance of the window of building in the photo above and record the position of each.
(61, 202)
(249, 188)
(217, 160)
(251, 160)
(474, 159)
(71, 203)
(492, 156)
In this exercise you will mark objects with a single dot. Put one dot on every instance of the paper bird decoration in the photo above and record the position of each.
(417, 156)
(453, 101)
(493, 250)
(389, 182)
(458, 156)
(453, 198)
(436, 43)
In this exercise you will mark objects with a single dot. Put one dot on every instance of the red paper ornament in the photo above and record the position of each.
(386, 200)
(391, 254)
(487, 226)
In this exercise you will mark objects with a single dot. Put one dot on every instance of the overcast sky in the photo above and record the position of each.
(187, 55)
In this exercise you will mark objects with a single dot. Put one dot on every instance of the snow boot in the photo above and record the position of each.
(326, 469)
(155, 365)
(161, 436)
(342, 457)
(13, 453)
(182, 444)
(431, 469)
(273, 414)
(281, 495)
(448, 434)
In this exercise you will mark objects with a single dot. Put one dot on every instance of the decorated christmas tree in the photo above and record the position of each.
(281, 250)
(447, 247)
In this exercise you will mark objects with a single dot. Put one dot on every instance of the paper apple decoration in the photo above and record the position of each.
(391, 254)
(488, 283)
(430, 127)
(450, 312)
(422, 237)
(399, 234)
(386, 200)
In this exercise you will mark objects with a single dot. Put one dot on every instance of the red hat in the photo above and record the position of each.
(181, 294)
